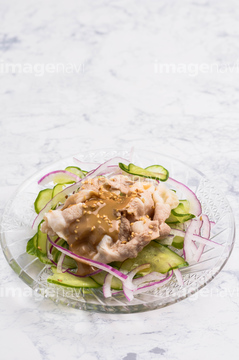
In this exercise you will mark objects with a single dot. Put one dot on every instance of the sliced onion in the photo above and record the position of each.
(85, 164)
(195, 205)
(205, 232)
(124, 278)
(66, 176)
(60, 262)
(179, 277)
(107, 285)
(128, 292)
(153, 276)
(154, 284)
(189, 246)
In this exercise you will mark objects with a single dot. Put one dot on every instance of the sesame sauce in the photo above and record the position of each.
(100, 217)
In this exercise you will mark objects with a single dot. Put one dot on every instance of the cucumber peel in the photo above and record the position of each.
(158, 173)
(68, 280)
(42, 199)
(76, 170)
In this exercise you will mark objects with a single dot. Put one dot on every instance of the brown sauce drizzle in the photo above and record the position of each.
(100, 217)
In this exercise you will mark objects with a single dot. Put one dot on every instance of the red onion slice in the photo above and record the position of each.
(205, 241)
(189, 246)
(53, 175)
(205, 232)
(154, 284)
(179, 277)
(195, 205)
(128, 292)
(151, 277)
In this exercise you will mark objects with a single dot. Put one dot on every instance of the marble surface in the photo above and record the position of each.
(161, 75)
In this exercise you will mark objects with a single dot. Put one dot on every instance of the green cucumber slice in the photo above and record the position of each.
(138, 171)
(100, 278)
(180, 214)
(42, 199)
(68, 280)
(158, 169)
(76, 170)
(31, 245)
(178, 242)
(41, 246)
(58, 188)
(160, 258)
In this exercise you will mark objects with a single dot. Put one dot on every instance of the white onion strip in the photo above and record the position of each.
(107, 286)
(60, 262)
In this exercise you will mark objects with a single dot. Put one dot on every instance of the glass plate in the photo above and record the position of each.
(19, 214)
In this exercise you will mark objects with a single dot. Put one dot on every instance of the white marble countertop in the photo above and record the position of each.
(161, 75)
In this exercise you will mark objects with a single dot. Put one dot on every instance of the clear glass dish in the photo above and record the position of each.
(19, 214)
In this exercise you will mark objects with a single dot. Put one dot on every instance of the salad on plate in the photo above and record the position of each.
(118, 227)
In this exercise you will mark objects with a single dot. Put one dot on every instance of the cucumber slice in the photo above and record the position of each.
(182, 209)
(158, 169)
(160, 258)
(138, 171)
(100, 278)
(31, 245)
(58, 188)
(180, 214)
(42, 199)
(178, 242)
(76, 170)
(69, 280)
(41, 246)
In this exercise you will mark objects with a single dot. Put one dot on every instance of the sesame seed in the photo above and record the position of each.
(123, 242)
(75, 231)
(99, 221)
(93, 228)
(151, 226)
(150, 232)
